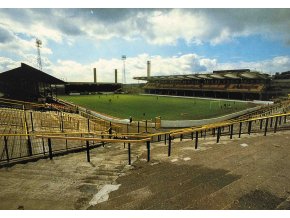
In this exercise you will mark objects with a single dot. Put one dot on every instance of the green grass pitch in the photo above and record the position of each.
(141, 107)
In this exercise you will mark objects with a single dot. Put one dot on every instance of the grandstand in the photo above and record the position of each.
(280, 84)
(27, 83)
(240, 84)
(88, 87)
(30, 84)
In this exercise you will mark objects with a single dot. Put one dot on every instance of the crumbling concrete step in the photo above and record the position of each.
(203, 186)
(193, 182)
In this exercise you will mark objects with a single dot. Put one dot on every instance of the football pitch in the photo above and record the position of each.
(141, 107)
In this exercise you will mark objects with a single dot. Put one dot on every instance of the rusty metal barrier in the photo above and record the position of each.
(36, 127)
(252, 125)
(15, 147)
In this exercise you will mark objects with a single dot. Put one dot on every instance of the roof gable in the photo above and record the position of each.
(28, 73)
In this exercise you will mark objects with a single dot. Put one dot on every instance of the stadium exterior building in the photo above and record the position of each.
(240, 84)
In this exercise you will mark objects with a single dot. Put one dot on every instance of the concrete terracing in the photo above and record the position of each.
(66, 182)
(247, 173)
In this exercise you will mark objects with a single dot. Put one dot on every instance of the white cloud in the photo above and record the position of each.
(32, 23)
(73, 71)
(158, 26)
(20, 27)
(8, 64)
(224, 36)
(135, 66)
(276, 64)
(168, 28)
(176, 65)
(21, 47)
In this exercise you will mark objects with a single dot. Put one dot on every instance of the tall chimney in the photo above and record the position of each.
(148, 69)
(95, 75)
(116, 76)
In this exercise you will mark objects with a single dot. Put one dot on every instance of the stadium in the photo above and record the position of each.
(64, 144)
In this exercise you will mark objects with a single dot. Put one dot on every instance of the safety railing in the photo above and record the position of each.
(89, 141)
(28, 146)
(34, 143)
(25, 147)
(263, 125)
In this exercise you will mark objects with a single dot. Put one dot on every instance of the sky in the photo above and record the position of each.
(176, 41)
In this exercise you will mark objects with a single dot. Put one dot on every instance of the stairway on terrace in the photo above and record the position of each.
(66, 182)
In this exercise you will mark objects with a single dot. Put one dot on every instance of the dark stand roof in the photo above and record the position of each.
(28, 73)
(232, 71)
